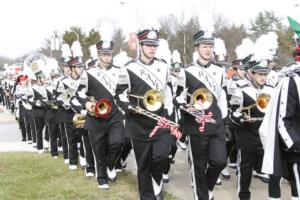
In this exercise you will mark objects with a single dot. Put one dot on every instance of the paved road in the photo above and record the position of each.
(179, 184)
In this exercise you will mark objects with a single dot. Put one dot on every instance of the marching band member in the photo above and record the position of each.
(136, 79)
(66, 90)
(104, 120)
(19, 93)
(207, 147)
(278, 132)
(61, 115)
(51, 112)
(249, 116)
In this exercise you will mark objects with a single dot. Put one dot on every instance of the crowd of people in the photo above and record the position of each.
(98, 112)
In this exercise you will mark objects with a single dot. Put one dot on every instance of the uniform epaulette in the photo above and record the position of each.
(160, 60)
(116, 66)
(217, 64)
(131, 61)
(188, 65)
(242, 83)
(65, 77)
(269, 85)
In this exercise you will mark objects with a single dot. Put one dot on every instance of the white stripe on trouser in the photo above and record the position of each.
(84, 150)
(26, 136)
(95, 159)
(192, 170)
(36, 139)
(239, 159)
(67, 141)
(50, 136)
(296, 173)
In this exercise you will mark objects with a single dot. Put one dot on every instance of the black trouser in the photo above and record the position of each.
(231, 148)
(32, 129)
(22, 127)
(171, 156)
(64, 141)
(88, 153)
(27, 127)
(274, 187)
(247, 161)
(126, 148)
(39, 124)
(106, 147)
(47, 135)
(53, 129)
(208, 160)
(152, 159)
(73, 137)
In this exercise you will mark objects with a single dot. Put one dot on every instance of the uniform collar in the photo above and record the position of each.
(107, 68)
(202, 65)
(143, 62)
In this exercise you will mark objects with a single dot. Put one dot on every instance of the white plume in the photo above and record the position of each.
(244, 49)
(176, 57)
(76, 49)
(163, 51)
(206, 21)
(65, 51)
(266, 46)
(121, 59)
(220, 49)
(93, 51)
(106, 31)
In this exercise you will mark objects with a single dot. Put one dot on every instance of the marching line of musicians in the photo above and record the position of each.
(147, 106)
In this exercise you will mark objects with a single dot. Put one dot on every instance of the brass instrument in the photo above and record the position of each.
(66, 97)
(101, 108)
(201, 99)
(78, 120)
(153, 101)
(52, 105)
(262, 102)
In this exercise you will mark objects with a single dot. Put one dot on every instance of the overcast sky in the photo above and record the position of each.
(26, 23)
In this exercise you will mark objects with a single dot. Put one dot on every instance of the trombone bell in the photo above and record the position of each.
(153, 100)
(201, 99)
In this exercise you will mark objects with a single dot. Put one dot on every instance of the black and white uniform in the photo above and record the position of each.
(280, 131)
(61, 117)
(37, 96)
(207, 150)
(88, 153)
(232, 86)
(19, 93)
(151, 154)
(51, 120)
(67, 88)
(106, 134)
(250, 150)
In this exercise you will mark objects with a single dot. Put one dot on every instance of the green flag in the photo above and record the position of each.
(295, 26)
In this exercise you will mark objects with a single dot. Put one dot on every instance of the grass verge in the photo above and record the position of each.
(38, 176)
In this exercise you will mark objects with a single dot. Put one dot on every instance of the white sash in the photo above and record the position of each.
(203, 76)
(105, 80)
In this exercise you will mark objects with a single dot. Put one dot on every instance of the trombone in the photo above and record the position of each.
(153, 101)
(201, 100)
(262, 102)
